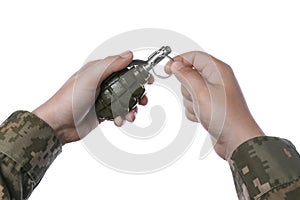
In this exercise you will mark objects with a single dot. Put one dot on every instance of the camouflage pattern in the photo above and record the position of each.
(266, 168)
(27, 148)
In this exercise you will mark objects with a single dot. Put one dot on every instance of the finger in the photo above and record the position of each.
(119, 121)
(210, 67)
(151, 79)
(100, 120)
(185, 93)
(144, 100)
(188, 106)
(190, 79)
(131, 115)
(191, 116)
(168, 67)
(197, 59)
(176, 58)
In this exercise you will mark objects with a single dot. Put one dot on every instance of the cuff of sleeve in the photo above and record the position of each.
(30, 142)
(262, 164)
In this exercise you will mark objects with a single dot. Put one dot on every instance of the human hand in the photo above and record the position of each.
(70, 112)
(212, 96)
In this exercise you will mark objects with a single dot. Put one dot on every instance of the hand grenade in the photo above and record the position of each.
(122, 90)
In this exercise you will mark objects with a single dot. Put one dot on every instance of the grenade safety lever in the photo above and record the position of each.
(122, 90)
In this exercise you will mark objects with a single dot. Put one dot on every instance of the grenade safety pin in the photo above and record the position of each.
(122, 90)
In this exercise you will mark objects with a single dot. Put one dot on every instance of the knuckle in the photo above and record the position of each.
(94, 62)
(190, 116)
(227, 68)
(110, 59)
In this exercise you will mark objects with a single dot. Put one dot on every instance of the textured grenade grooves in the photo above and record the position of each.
(121, 91)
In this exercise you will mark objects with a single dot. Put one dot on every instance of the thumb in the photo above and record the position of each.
(190, 78)
(91, 75)
(116, 63)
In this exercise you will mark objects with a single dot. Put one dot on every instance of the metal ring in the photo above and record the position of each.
(160, 76)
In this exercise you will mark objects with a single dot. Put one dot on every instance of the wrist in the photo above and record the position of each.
(240, 136)
(48, 115)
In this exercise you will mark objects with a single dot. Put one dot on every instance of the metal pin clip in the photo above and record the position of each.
(158, 56)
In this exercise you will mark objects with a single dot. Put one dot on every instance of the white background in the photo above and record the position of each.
(42, 44)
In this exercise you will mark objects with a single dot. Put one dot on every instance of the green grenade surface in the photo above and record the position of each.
(121, 91)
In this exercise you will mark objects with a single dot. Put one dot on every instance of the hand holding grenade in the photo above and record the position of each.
(122, 90)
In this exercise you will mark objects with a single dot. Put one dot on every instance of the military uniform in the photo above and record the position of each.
(27, 148)
(262, 168)
(266, 168)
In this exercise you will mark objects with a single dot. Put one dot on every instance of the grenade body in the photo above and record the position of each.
(122, 90)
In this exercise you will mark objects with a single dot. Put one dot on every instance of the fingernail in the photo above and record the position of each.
(168, 69)
(119, 121)
(126, 54)
(134, 113)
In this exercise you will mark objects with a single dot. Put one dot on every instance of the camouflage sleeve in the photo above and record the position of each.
(27, 148)
(266, 168)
